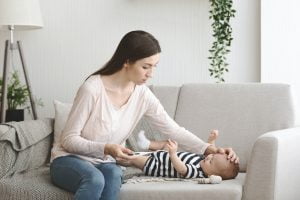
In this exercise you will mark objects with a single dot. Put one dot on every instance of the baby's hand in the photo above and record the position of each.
(172, 146)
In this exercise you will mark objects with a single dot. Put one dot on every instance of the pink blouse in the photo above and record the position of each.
(91, 124)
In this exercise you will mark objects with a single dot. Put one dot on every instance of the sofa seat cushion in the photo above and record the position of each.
(34, 184)
(227, 190)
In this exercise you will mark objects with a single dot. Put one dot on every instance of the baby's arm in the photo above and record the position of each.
(177, 163)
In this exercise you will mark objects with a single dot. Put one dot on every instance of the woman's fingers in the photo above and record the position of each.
(117, 151)
(236, 160)
(232, 155)
(126, 150)
(122, 155)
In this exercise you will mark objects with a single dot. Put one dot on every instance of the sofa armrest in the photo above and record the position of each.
(273, 169)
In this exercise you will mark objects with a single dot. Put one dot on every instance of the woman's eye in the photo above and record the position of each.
(145, 67)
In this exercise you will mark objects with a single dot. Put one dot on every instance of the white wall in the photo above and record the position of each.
(280, 43)
(79, 36)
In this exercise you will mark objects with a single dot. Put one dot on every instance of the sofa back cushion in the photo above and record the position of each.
(241, 112)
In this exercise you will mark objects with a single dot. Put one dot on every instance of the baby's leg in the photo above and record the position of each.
(140, 161)
(157, 145)
(147, 145)
(143, 142)
(212, 137)
(136, 161)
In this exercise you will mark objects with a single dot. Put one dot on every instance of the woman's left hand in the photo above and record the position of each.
(229, 151)
(231, 155)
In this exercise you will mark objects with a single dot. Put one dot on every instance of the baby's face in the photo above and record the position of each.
(214, 163)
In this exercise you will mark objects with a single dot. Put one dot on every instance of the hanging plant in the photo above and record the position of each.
(221, 12)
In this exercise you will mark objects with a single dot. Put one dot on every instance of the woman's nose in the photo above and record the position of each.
(149, 74)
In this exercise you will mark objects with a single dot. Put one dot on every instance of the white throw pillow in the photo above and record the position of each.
(62, 111)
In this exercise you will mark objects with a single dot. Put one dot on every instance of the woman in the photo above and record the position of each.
(105, 111)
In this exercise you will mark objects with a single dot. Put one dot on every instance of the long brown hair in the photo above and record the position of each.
(133, 46)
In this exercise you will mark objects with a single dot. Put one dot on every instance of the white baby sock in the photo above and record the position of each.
(142, 141)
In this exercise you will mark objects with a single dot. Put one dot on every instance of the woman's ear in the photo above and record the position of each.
(126, 64)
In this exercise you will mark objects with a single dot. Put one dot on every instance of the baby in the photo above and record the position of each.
(170, 163)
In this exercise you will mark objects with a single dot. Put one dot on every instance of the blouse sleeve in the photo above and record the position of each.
(71, 138)
(159, 118)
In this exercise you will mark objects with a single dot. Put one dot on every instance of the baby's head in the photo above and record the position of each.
(218, 164)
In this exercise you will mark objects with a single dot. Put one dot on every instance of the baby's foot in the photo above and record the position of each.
(142, 142)
(212, 137)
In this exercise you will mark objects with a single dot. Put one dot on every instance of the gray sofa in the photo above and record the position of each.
(257, 120)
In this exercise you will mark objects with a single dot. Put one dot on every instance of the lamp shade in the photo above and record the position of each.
(23, 14)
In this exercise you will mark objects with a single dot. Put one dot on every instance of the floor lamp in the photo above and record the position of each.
(17, 15)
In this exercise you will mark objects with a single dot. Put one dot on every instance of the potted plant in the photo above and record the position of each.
(17, 98)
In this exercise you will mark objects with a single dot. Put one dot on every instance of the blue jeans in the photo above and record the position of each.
(88, 181)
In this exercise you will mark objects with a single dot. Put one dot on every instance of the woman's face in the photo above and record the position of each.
(141, 70)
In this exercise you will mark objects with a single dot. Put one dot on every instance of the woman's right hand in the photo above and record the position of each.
(117, 151)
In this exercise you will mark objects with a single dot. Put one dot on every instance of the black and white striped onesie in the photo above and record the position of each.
(159, 164)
